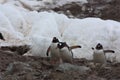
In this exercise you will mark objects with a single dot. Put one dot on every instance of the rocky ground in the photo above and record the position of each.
(14, 66)
(105, 9)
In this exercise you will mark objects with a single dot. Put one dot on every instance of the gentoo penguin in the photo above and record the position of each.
(99, 54)
(66, 52)
(1, 37)
(54, 51)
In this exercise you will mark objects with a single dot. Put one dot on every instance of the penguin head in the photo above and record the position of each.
(61, 45)
(55, 40)
(1, 37)
(99, 46)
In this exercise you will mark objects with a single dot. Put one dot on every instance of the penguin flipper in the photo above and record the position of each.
(74, 47)
(47, 53)
(107, 51)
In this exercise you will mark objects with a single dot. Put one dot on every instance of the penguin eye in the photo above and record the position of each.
(60, 44)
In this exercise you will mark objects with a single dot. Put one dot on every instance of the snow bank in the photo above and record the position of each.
(15, 17)
(9, 26)
(90, 31)
(45, 25)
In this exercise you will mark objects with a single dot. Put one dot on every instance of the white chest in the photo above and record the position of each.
(66, 55)
(54, 50)
(99, 56)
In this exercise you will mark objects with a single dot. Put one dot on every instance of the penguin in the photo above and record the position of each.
(66, 52)
(1, 37)
(54, 51)
(99, 54)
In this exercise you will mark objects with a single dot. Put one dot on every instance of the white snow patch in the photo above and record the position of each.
(63, 2)
(39, 45)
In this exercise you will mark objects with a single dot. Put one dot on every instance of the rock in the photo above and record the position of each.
(69, 67)
(105, 9)
(94, 77)
(21, 49)
(29, 77)
(18, 67)
(1, 77)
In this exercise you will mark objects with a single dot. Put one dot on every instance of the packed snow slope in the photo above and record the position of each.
(21, 26)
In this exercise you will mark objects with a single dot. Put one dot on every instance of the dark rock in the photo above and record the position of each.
(22, 49)
(105, 9)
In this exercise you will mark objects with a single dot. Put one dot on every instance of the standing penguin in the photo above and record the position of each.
(99, 54)
(54, 51)
(1, 37)
(66, 51)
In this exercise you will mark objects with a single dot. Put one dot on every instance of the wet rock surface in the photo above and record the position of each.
(18, 67)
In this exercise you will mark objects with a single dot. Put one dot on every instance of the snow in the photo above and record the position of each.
(15, 17)
(47, 23)
(90, 31)
(39, 46)
(20, 26)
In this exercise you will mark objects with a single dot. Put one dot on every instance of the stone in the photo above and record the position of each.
(18, 67)
(70, 67)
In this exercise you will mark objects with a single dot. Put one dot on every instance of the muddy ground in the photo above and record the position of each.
(14, 66)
